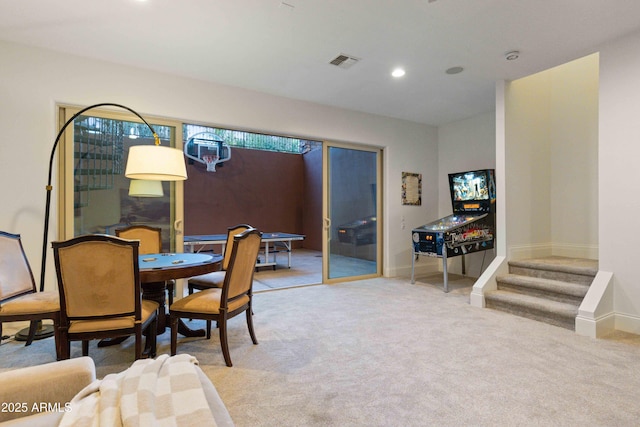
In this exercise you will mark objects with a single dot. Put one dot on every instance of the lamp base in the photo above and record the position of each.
(43, 331)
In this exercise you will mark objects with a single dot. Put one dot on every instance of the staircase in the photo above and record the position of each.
(545, 289)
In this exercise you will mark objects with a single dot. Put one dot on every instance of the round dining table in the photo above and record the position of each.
(157, 269)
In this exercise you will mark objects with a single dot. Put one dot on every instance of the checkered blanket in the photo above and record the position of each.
(161, 392)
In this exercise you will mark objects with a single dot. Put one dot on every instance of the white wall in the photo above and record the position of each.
(464, 145)
(528, 177)
(551, 161)
(619, 155)
(574, 157)
(32, 81)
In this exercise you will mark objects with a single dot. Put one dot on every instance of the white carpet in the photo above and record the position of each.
(383, 352)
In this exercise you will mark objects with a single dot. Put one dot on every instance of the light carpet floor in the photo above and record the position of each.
(306, 269)
(383, 352)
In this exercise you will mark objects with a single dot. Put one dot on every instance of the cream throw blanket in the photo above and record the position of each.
(161, 392)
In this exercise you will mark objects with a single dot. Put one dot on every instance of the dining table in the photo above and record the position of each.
(157, 269)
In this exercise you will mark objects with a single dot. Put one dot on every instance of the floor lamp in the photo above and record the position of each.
(145, 162)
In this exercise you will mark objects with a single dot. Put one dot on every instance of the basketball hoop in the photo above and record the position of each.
(207, 148)
(210, 160)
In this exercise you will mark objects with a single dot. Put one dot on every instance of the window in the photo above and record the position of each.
(256, 141)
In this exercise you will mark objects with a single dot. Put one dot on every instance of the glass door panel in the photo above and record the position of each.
(97, 199)
(351, 213)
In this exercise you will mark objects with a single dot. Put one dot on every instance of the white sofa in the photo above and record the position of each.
(38, 395)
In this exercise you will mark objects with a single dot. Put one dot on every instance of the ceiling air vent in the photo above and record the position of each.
(344, 61)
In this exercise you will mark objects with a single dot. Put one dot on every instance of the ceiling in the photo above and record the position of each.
(284, 47)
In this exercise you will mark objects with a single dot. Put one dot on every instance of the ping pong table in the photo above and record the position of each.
(273, 243)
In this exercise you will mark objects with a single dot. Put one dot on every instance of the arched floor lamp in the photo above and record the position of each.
(145, 162)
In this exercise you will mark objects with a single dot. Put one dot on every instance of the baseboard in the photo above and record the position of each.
(597, 316)
(605, 325)
(540, 250)
(595, 328)
(627, 323)
(424, 265)
(536, 250)
(575, 251)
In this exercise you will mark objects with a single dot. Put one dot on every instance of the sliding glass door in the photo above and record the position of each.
(95, 195)
(351, 243)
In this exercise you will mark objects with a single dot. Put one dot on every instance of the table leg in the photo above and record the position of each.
(288, 245)
(186, 331)
(266, 254)
(157, 291)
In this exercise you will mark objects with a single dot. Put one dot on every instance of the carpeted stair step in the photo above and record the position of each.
(540, 309)
(567, 292)
(574, 270)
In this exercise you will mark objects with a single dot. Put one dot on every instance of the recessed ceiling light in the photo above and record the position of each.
(454, 70)
(398, 72)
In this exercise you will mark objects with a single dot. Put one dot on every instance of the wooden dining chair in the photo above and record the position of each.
(150, 243)
(150, 237)
(215, 279)
(100, 296)
(221, 304)
(19, 298)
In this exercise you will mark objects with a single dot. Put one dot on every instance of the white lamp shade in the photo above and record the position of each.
(156, 163)
(145, 188)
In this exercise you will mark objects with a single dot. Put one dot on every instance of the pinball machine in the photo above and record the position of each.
(471, 227)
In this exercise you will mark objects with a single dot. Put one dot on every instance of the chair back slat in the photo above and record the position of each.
(239, 277)
(16, 277)
(98, 276)
(150, 237)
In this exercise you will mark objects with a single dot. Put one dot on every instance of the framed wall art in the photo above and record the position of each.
(411, 188)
